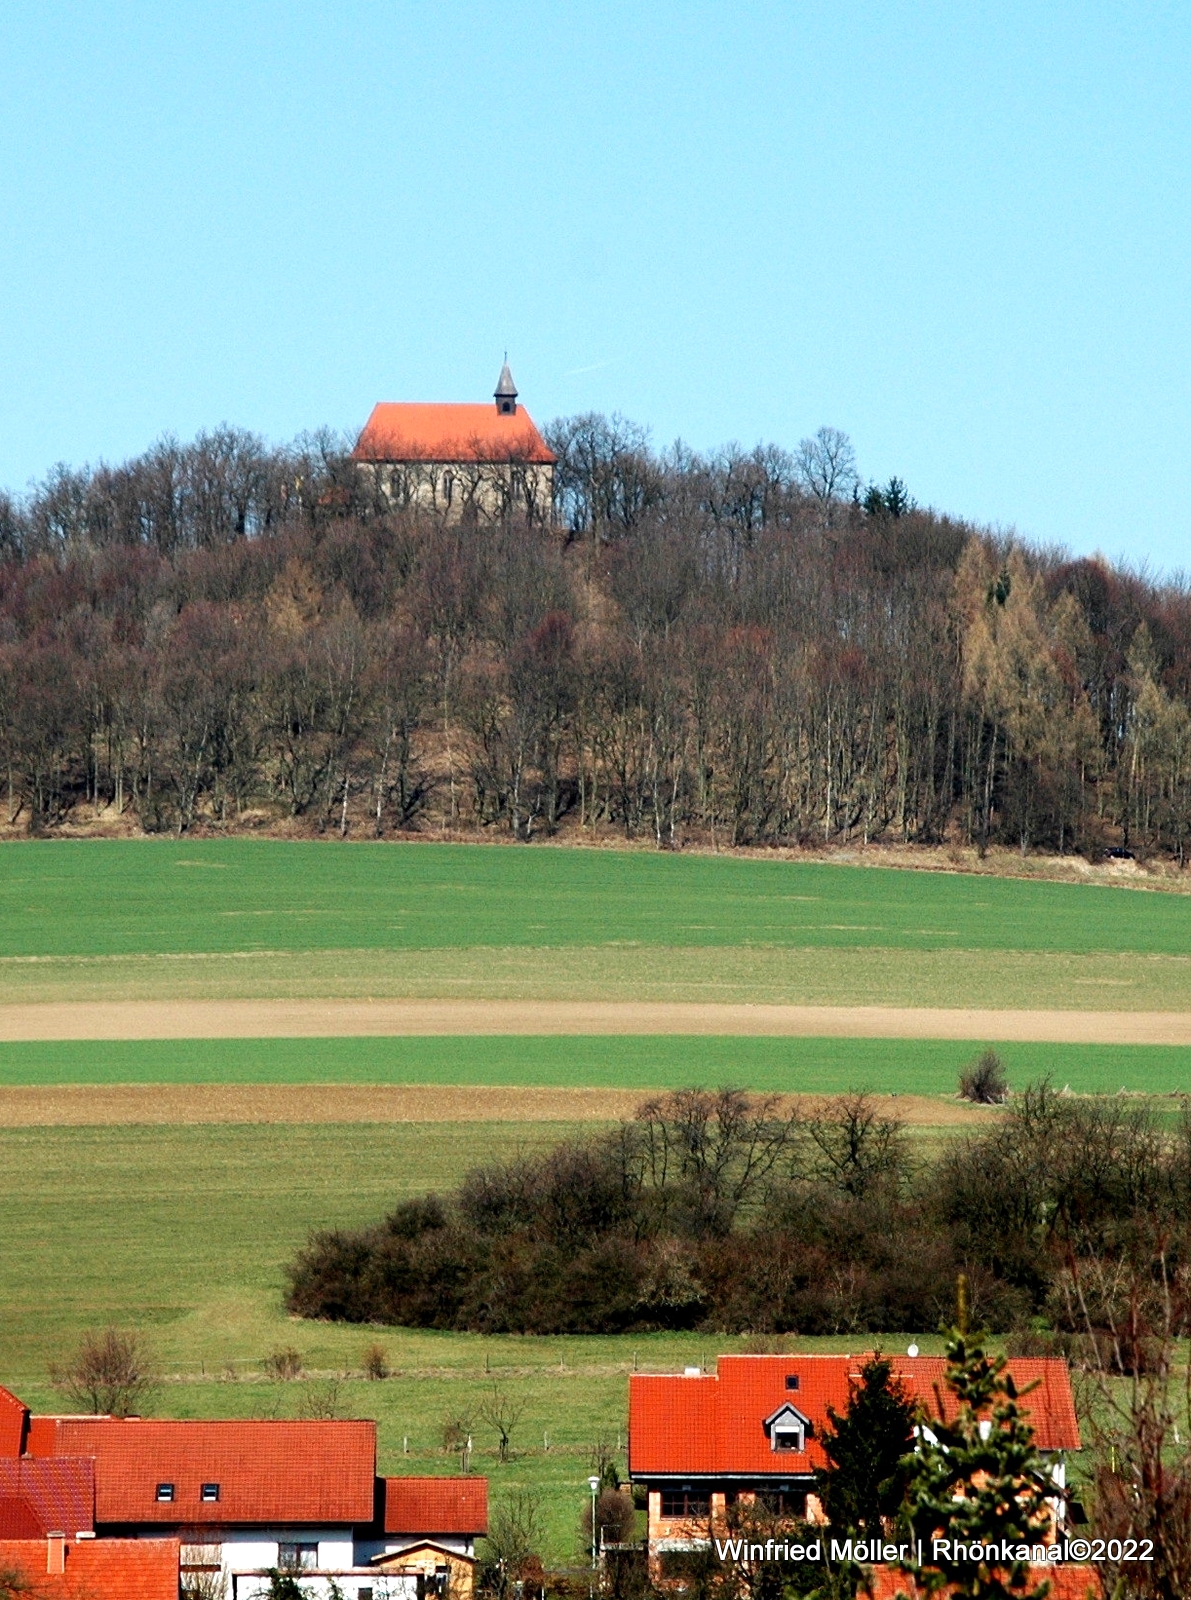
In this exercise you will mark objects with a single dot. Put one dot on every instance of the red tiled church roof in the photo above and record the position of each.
(713, 1426)
(285, 1472)
(99, 1569)
(40, 1496)
(436, 1505)
(465, 433)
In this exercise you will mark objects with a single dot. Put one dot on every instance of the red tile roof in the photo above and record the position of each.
(279, 1472)
(410, 432)
(14, 1417)
(18, 1520)
(40, 1496)
(436, 1505)
(100, 1569)
(712, 1426)
(1066, 1582)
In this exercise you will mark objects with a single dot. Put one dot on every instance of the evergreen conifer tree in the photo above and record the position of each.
(979, 1479)
(863, 1488)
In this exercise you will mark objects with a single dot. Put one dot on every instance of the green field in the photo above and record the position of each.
(646, 1062)
(87, 898)
(161, 919)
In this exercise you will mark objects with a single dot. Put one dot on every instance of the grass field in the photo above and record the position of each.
(645, 1062)
(759, 975)
(86, 898)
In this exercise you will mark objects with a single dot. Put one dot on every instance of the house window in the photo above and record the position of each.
(684, 1503)
(783, 1502)
(209, 1491)
(165, 1491)
(363, 1594)
(296, 1557)
(786, 1438)
(791, 1380)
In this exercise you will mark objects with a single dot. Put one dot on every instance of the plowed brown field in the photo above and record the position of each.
(256, 1019)
(181, 1104)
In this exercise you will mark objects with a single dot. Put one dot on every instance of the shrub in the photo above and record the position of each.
(376, 1363)
(284, 1364)
(983, 1081)
(455, 1432)
(615, 1518)
(112, 1372)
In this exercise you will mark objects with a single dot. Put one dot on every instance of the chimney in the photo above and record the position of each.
(55, 1555)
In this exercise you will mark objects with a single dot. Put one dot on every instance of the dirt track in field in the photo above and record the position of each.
(160, 1104)
(243, 1019)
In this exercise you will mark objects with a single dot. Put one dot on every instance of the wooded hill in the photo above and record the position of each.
(737, 648)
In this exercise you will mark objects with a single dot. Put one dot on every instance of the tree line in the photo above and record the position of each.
(733, 1213)
(741, 647)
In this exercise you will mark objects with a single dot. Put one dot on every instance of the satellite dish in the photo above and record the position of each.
(913, 1350)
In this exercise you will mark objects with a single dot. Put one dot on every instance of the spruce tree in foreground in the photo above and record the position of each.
(979, 1479)
(863, 1488)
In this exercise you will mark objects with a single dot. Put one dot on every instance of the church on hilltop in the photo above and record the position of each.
(483, 461)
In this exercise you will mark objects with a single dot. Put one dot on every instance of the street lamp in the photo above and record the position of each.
(594, 1485)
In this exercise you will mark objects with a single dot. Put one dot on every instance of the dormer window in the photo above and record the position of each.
(165, 1491)
(788, 1430)
(209, 1492)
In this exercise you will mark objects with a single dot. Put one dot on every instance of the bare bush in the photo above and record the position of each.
(321, 1401)
(983, 1081)
(614, 1518)
(283, 1364)
(375, 1363)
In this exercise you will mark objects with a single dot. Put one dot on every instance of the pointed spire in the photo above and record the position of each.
(506, 391)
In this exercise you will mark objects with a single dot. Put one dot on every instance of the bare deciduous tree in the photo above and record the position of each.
(112, 1373)
(826, 467)
(509, 1551)
(723, 1146)
(857, 1147)
(500, 1412)
(1136, 1310)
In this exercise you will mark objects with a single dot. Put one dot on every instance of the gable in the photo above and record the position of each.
(787, 1429)
(14, 1420)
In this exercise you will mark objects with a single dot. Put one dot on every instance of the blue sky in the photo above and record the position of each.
(960, 232)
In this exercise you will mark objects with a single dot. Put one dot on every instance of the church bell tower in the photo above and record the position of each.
(506, 392)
